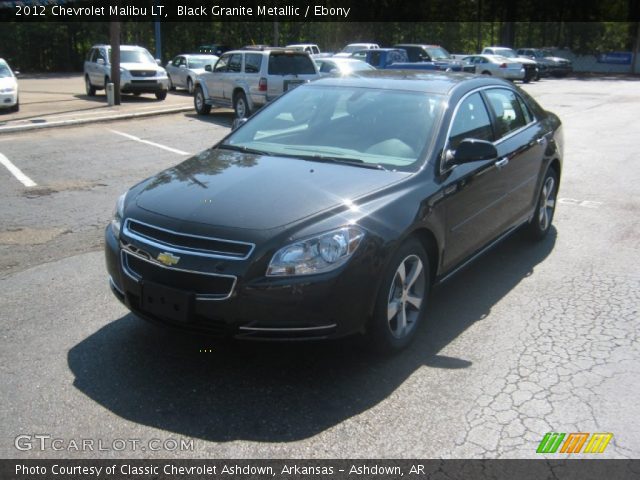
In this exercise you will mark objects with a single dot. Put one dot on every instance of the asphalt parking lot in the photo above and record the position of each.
(530, 339)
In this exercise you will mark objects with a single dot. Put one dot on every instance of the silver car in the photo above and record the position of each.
(245, 80)
(497, 66)
(139, 72)
(9, 97)
(341, 66)
(184, 69)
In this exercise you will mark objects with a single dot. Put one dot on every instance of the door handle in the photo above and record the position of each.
(502, 162)
(541, 140)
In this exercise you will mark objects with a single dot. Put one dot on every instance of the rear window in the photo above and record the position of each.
(290, 64)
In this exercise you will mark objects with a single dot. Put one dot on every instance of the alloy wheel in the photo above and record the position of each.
(406, 296)
(547, 203)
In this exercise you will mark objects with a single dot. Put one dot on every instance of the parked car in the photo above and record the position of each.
(9, 90)
(214, 49)
(555, 66)
(431, 53)
(341, 66)
(139, 72)
(248, 79)
(354, 47)
(333, 210)
(531, 68)
(396, 59)
(310, 48)
(184, 69)
(502, 67)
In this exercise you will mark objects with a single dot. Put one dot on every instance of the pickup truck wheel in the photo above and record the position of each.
(199, 102)
(240, 105)
(91, 90)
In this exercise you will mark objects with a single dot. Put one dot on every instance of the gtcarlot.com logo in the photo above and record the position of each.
(597, 442)
(43, 442)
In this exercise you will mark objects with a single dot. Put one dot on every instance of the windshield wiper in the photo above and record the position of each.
(240, 148)
(356, 162)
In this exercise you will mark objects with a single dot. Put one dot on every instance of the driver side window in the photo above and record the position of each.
(221, 65)
(471, 121)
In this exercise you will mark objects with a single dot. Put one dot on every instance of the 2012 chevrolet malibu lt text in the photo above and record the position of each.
(333, 210)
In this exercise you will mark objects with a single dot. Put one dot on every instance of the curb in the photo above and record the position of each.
(81, 121)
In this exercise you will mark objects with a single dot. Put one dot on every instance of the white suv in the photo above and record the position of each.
(139, 72)
(248, 79)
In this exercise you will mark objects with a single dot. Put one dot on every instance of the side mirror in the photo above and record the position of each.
(159, 62)
(183, 66)
(100, 61)
(472, 150)
(208, 68)
(16, 72)
(334, 71)
(237, 123)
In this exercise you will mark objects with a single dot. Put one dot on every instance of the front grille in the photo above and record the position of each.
(207, 246)
(215, 287)
(144, 82)
(143, 73)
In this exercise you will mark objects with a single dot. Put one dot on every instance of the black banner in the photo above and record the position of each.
(320, 469)
(319, 10)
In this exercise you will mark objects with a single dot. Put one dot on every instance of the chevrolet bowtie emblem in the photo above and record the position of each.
(168, 259)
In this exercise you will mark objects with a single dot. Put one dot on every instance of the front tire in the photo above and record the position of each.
(200, 103)
(402, 299)
(540, 224)
(172, 87)
(190, 86)
(16, 107)
(240, 105)
(90, 89)
(161, 95)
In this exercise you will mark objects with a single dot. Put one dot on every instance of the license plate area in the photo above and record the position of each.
(166, 302)
(291, 84)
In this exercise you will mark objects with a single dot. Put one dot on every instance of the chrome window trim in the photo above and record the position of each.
(441, 168)
(177, 249)
(138, 278)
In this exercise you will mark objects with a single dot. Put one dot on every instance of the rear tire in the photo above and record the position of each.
(199, 102)
(190, 86)
(486, 73)
(16, 107)
(91, 90)
(240, 105)
(402, 299)
(540, 224)
(161, 95)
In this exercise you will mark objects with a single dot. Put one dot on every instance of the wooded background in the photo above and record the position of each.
(61, 47)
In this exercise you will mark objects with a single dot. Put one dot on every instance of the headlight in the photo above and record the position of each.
(116, 222)
(8, 90)
(318, 254)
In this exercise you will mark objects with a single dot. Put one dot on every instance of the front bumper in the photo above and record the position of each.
(8, 100)
(322, 306)
(145, 85)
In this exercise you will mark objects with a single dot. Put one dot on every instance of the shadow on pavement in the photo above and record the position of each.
(223, 118)
(124, 98)
(280, 392)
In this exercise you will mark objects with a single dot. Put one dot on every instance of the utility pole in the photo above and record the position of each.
(276, 34)
(158, 34)
(114, 34)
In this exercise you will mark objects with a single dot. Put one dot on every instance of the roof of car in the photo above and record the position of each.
(122, 47)
(412, 80)
(415, 45)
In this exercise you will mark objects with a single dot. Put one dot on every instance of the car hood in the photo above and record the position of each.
(237, 190)
(557, 59)
(141, 66)
(525, 60)
(7, 82)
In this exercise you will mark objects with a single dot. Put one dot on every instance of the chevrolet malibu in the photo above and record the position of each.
(334, 210)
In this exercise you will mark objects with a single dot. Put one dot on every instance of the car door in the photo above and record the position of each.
(214, 80)
(473, 191)
(232, 77)
(521, 141)
(172, 71)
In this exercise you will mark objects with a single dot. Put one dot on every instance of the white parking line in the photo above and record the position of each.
(26, 181)
(153, 144)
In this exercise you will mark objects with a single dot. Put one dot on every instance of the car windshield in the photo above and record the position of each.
(547, 53)
(200, 62)
(134, 56)
(438, 53)
(507, 52)
(365, 127)
(355, 66)
(5, 71)
(353, 48)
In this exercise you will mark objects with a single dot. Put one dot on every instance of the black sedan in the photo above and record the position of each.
(333, 210)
